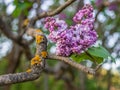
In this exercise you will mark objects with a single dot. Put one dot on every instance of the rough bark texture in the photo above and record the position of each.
(35, 70)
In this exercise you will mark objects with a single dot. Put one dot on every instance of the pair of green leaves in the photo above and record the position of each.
(95, 54)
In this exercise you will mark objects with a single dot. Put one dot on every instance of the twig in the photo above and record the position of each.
(99, 10)
(53, 12)
(7, 31)
(98, 67)
(72, 63)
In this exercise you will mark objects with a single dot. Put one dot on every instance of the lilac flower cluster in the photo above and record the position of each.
(73, 39)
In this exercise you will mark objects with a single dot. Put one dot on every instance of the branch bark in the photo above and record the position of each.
(6, 30)
(14, 58)
(72, 63)
(35, 69)
(53, 12)
(8, 33)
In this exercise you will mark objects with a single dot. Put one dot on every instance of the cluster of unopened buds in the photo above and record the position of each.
(76, 38)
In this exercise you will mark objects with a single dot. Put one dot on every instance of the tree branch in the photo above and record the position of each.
(53, 12)
(8, 33)
(20, 77)
(14, 58)
(35, 70)
(72, 63)
(15, 38)
(6, 30)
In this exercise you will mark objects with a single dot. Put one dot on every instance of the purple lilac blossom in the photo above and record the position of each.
(84, 13)
(75, 39)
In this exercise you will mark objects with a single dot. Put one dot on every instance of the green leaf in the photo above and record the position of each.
(85, 56)
(21, 7)
(94, 54)
(16, 12)
(98, 52)
(81, 57)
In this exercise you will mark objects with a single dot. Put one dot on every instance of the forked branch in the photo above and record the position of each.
(36, 68)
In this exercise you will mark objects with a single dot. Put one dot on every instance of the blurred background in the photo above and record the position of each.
(15, 55)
